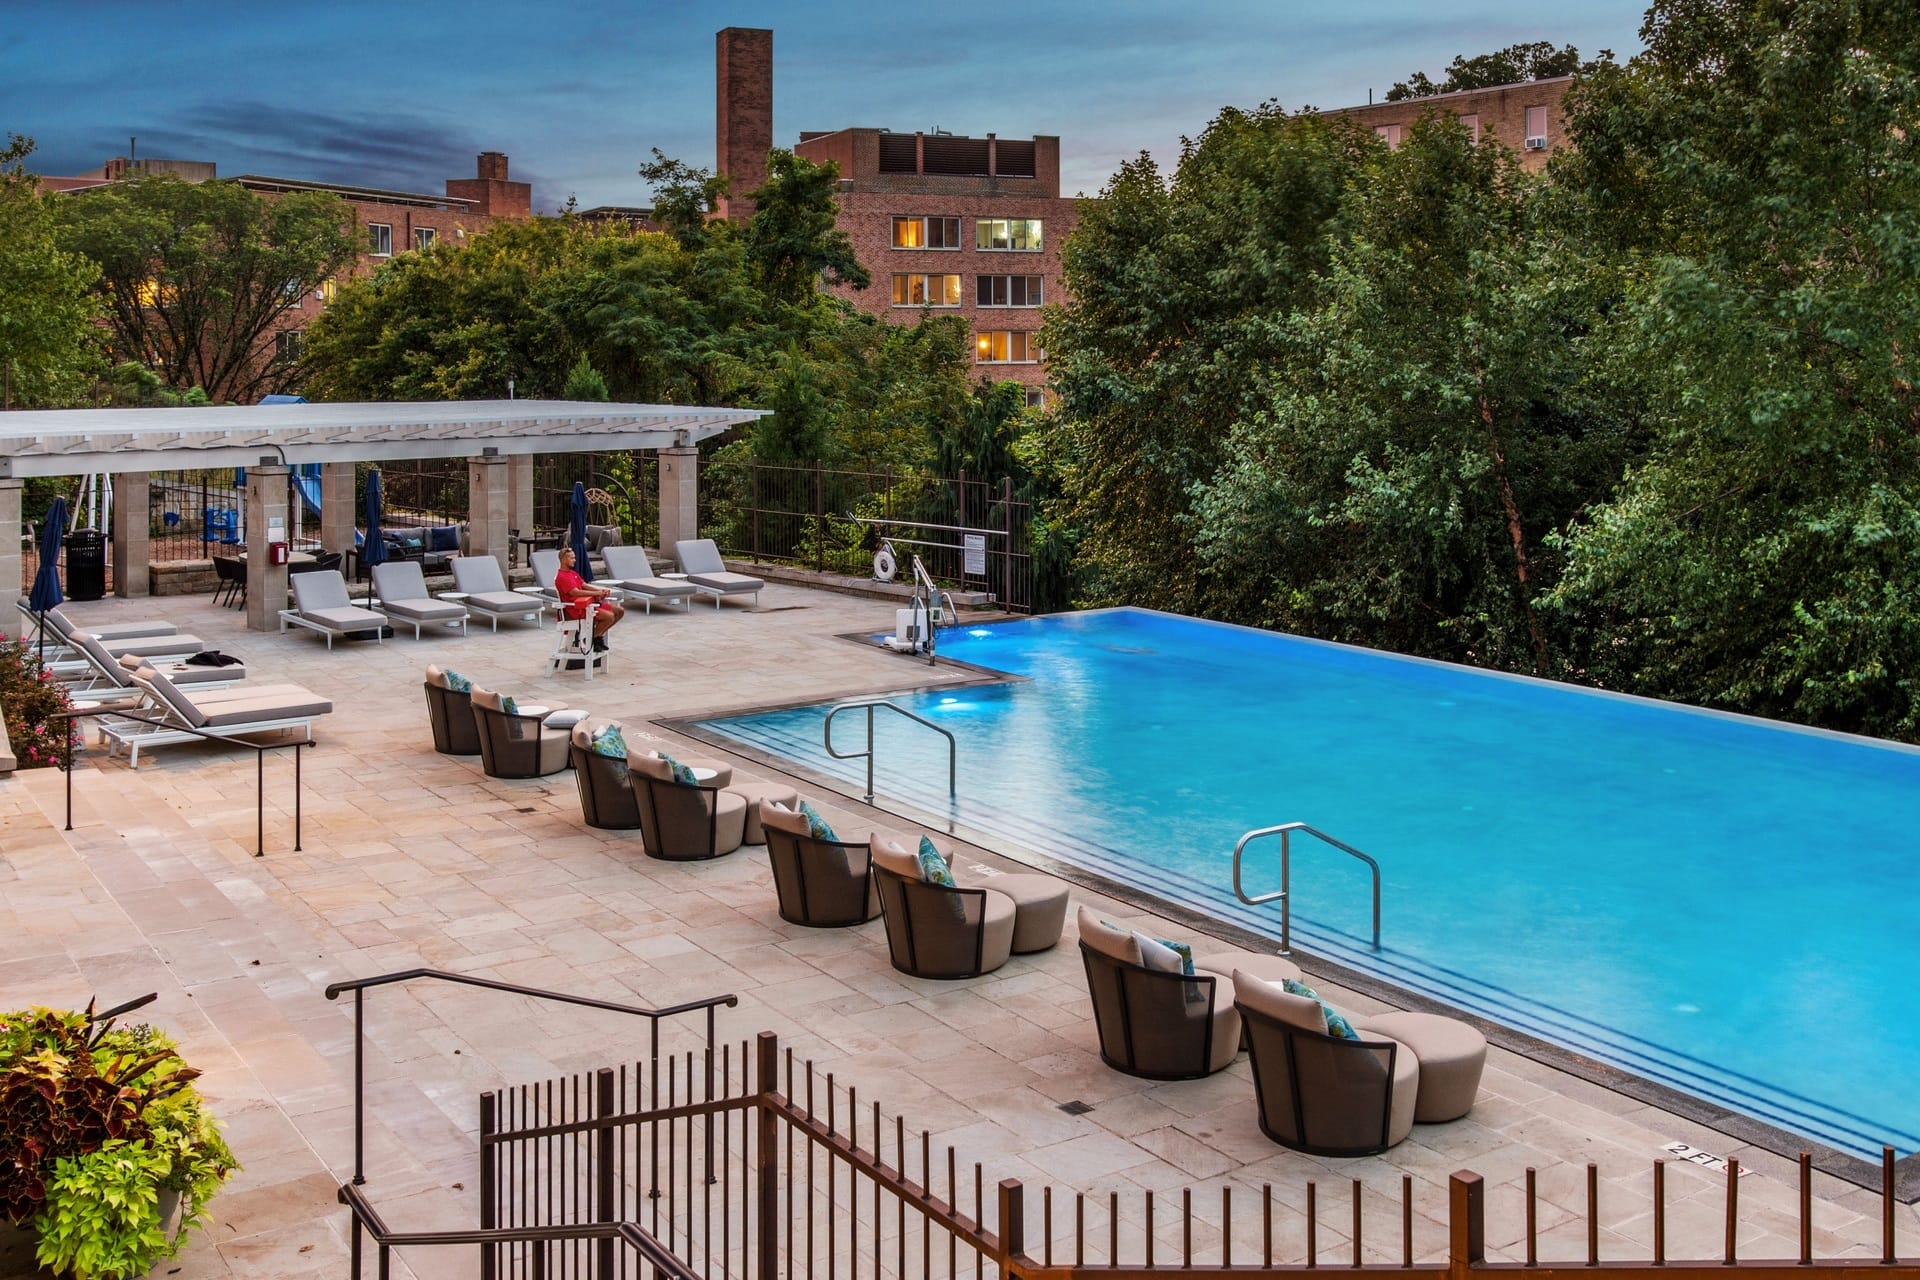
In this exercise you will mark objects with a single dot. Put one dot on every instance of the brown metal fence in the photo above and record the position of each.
(777, 1172)
(832, 521)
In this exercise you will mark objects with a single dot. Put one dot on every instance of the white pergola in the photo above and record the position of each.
(499, 438)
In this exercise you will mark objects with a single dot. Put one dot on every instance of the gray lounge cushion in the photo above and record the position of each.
(287, 702)
(477, 575)
(131, 630)
(659, 588)
(424, 610)
(627, 562)
(402, 589)
(345, 618)
(727, 583)
(154, 646)
(699, 555)
(502, 602)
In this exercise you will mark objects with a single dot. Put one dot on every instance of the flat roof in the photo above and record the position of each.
(64, 442)
(375, 194)
(1442, 98)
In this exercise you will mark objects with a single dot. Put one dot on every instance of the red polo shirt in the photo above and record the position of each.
(567, 584)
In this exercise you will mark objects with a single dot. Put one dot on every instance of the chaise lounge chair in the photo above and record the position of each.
(479, 580)
(58, 621)
(402, 596)
(631, 575)
(233, 712)
(108, 677)
(700, 560)
(321, 603)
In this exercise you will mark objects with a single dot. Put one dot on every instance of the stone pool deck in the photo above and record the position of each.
(416, 859)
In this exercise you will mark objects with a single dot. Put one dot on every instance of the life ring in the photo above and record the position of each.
(884, 566)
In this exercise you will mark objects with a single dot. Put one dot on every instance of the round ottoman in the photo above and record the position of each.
(1040, 908)
(757, 794)
(1221, 964)
(1452, 1055)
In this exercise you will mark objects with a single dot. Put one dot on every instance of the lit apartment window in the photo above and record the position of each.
(1002, 346)
(926, 291)
(287, 344)
(379, 239)
(422, 237)
(1387, 133)
(1014, 235)
(1536, 128)
(926, 233)
(325, 293)
(1009, 291)
(1471, 123)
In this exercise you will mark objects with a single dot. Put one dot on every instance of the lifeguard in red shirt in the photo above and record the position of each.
(576, 594)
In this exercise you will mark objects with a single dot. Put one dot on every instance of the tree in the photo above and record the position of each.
(195, 276)
(1757, 172)
(684, 197)
(792, 241)
(1426, 427)
(1176, 286)
(584, 381)
(49, 344)
(1538, 60)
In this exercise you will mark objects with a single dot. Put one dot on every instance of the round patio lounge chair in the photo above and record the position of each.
(938, 932)
(822, 884)
(1154, 1023)
(450, 714)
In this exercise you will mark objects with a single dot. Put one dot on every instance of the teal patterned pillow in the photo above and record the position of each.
(1337, 1024)
(933, 867)
(609, 742)
(508, 706)
(1181, 949)
(457, 683)
(816, 825)
(682, 774)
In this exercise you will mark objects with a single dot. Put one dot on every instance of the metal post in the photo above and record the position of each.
(1006, 547)
(766, 1153)
(489, 1186)
(69, 720)
(296, 798)
(819, 518)
(259, 802)
(1466, 1224)
(753, 499)
(869, 754)
(1013, 1226)
(605, 1208)
(1286, 895)
(359, 1098)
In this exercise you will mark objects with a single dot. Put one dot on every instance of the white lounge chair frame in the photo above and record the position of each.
(132, 735)
(399, 618)
(480, 581)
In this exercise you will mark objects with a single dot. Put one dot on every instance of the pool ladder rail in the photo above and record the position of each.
(870, 705)
(1285, 896)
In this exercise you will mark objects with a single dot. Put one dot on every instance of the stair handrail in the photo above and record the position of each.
(359, 988)
(1285, 896)
(871, 704)
(367, 1218)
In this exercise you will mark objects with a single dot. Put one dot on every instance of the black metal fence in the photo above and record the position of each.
(969, 531)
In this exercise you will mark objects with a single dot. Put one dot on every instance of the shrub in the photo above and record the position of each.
(31, 700)
(99, 1125)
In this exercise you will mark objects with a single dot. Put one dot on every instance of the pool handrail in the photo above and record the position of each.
(870, 704)
(1285, 896)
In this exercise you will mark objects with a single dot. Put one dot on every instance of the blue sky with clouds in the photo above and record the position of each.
(405, 94)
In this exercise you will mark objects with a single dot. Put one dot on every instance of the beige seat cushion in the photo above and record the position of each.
(1452, 1055)
(730, 822)
(435, 676)
(287, 703)
(1226, 1030)
(757, 795)
(1268, 998)
(889, 856)
(1118, 944)
(780, 817)
(1000, 917)
(1268, 968)
(1041, 903)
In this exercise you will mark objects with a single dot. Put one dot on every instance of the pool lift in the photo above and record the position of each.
(916, 627)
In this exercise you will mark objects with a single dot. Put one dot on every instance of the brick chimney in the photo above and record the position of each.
(494, 195)
(743, 133)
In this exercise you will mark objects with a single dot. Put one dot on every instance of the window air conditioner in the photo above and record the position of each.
(1536, 144)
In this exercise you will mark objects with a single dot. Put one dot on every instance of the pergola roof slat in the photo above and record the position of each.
(45, 442)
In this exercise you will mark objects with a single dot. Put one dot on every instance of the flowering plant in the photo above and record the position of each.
(32, 702)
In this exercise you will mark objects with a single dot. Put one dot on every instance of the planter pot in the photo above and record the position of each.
(169, 1211)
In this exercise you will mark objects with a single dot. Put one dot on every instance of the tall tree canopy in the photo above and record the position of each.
(50, 348)
(194, 276)
(1537, 60)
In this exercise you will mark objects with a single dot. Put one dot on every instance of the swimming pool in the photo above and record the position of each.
(1721, 904)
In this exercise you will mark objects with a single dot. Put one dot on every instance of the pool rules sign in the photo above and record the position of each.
(974, 553)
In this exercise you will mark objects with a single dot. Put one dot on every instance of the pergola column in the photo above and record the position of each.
(10, 563)
(131, 525)
(336, 506)
(679, 496)
(520, 492)
(487, 507)
(266, 514)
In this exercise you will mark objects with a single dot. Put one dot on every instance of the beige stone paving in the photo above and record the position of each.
(415, 859)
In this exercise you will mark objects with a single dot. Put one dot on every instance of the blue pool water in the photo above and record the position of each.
(1721, 904)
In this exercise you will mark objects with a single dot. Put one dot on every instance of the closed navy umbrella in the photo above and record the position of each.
(375, 551)
(46, 593)
(582, 564)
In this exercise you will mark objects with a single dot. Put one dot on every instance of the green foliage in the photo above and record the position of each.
(683, 197)
(96, 1122)
(195, 276)
(584, 381)
(134, 385)
(49, 345)
(1537, 60)
(1175, 286)
(30, 699)
(791, 241)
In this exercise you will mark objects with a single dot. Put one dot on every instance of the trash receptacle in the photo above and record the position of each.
(86, 565)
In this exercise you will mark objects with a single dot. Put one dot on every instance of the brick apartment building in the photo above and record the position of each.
(1528, 117)
(390, 221)
(946, 225)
